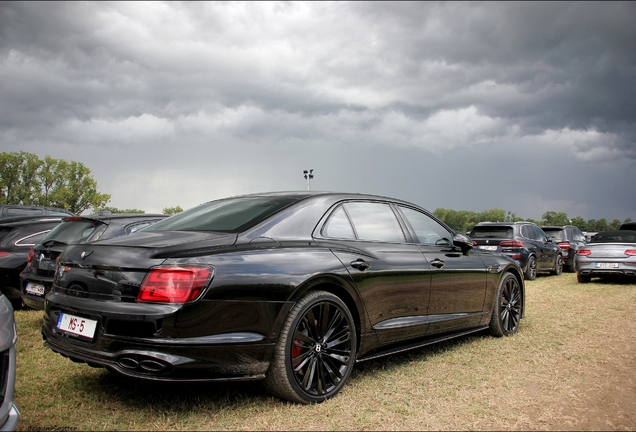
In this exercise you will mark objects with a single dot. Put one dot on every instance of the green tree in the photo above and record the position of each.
(614, 225)
(580, 223)
(555, 219)
(172, 210)
(25, 179)
(122, 211)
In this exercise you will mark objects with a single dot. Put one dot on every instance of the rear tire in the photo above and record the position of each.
(583, 279)
(531, 269)
(506, 312)
(316, 350)
(558, 266)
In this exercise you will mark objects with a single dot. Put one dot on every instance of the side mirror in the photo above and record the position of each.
(464, 242)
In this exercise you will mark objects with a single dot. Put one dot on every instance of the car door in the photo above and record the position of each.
(547, 249)
(391, 275)
(458, 282)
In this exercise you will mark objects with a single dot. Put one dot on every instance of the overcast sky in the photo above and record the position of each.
(526, 107)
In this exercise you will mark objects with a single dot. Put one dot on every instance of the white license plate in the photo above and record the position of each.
(606, 265)
(77, 325)
(489, 248)
(35, 289)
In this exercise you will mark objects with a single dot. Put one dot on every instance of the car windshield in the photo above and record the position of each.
(491, 232)
(72, 231)
(615, 237)
(232, 215)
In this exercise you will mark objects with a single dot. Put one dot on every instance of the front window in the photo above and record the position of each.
(230, 215)
(427, 230)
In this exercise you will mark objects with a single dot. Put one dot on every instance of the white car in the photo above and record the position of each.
(609, 253)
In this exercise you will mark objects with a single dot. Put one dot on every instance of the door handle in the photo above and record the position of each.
(360, 264)
(437, 263)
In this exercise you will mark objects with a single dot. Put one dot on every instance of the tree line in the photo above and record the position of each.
(464, 220)
(26, 179)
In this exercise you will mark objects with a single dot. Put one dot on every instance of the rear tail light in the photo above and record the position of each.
(30, 257)
(511, 243)
(174, 284)
(4, 254)
(564, 245)
(584, 252)
(630, 252)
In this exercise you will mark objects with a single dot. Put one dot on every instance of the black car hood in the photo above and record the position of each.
(144, 248)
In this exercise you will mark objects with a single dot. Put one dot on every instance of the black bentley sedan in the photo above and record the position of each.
(290, 288)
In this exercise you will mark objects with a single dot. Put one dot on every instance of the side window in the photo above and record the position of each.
(578, 235)
(527, 232)
(338, 226)
(31, 240)
(539, 234)
(135, 227)
(375, 221)
(427, 230)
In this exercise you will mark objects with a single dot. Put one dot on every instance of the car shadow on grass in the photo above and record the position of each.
(169, 397)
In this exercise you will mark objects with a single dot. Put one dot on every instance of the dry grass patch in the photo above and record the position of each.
(569, 367)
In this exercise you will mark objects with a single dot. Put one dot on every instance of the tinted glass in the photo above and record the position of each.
(492, 232)
(557, 234)
(539, 234)
(428, 230)
(72, 232)
(232, 215)
(338, 225)
(375, 222)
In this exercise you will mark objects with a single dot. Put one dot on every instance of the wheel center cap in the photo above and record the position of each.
(317, 348)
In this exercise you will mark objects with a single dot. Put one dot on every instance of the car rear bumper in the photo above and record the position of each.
(210, 341)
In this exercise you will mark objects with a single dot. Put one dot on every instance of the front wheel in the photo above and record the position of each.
(506, 312)
(316, 350)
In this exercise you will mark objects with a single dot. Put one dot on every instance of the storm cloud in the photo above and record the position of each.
(523, 106)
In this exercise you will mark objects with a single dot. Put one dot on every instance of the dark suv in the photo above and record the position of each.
(17, 236)
(570, 239)
(524, 242)
(18, 210)
(37, 277)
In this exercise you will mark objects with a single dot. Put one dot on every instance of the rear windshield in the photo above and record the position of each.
(231, 215)
(73, 232)
(557, 234)
(615, 237)
(491, 232)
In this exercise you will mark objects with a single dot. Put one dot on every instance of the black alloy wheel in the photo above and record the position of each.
(558, 265)
(316, 350)
(506, 312)
(531, 270)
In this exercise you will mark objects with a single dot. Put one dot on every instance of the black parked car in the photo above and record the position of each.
(36, 279)
(17, 236)
(570, 239)
(628, 226)
(524, 242)
(291, 288)
(18, 210)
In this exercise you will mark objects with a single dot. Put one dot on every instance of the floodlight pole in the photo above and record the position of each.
(308, 176)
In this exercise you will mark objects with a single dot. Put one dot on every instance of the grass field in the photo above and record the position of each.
(570, 367)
